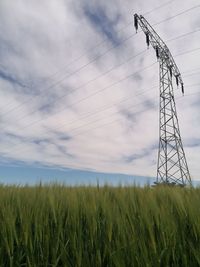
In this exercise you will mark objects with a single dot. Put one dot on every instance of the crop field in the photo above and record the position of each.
(52, 225)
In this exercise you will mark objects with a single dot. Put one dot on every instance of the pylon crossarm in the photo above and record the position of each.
(162, 51)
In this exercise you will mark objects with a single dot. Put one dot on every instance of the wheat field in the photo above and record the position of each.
(55, 225)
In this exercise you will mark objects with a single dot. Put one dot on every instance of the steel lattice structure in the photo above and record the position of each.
(172, 168)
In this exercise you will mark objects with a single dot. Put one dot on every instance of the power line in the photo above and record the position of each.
(97, 77)
(188, 52)
(73, 73)
(158, 7)
(99, 91)
(96, 58)
(104, 40)
(93, 79)
(183, 35)
(85, 53)
(176, 15)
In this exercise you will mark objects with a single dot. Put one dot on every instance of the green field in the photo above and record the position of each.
(91, 226)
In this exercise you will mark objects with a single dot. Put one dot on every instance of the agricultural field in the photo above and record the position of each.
(52, 225)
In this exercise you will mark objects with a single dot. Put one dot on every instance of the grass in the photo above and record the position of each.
(99, 227)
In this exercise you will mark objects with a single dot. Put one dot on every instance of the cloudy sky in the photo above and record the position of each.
(80, 90)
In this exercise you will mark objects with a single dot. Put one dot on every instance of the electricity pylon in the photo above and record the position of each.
(172, 168)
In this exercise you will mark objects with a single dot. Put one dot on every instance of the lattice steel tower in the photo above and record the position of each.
(172, 166)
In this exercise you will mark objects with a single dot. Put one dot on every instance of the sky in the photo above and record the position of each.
(79, 90)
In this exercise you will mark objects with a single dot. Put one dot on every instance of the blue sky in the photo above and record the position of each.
(21, 174)
(79, 90)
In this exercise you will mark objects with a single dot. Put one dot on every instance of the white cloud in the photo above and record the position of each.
(38, 39)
